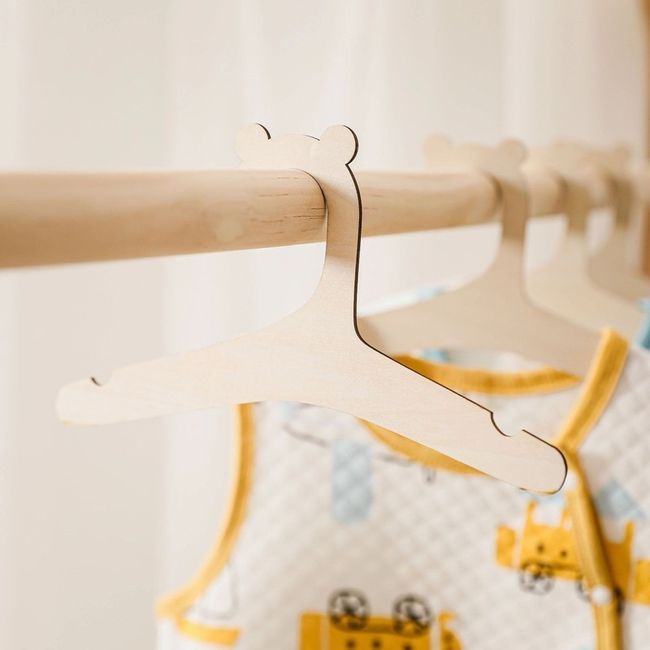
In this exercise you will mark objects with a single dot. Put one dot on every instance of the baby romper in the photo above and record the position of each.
(343, 535)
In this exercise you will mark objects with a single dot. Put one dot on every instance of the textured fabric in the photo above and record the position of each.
(336, 518)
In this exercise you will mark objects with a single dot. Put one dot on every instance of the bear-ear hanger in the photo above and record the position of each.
(249, 138)
(566, 155)
(614, 160)
(437, 147)
(509, 154)
(339, 142)
(512, 152)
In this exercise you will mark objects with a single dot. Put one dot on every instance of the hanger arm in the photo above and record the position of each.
(559, 344)
(271, 366)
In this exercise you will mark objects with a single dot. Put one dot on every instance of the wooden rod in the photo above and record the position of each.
(59, 218)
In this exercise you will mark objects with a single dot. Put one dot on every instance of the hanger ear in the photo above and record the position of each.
(614, 160)
(512, 152)
(249, 139)
(437, 149)
(505, 157)
(621, 154)
(340, 143)
(566, 157)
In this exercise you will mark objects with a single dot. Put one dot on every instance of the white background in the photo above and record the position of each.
(94, 523)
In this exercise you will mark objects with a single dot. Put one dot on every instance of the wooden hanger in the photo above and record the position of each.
(564, 284)
(610, 266)
(492, 312)
(315, 355)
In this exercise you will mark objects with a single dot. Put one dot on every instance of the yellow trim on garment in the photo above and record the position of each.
(598, 389)
(592, 558)
(419, 453)
(489, 382)
(226, 636)
(176, 605)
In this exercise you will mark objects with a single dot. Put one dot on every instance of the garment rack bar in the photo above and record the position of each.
(60, 218)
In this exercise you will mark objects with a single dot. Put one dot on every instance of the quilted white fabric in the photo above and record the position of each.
(332, 508)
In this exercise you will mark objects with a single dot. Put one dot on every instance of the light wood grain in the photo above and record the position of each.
(316, 355)
(58, 218)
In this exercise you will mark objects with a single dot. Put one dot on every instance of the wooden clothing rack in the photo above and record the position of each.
(59, 218)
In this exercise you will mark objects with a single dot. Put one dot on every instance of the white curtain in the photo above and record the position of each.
(94, 523)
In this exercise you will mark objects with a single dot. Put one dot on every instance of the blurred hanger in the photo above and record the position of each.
(610, 266)
(315, 355)
(564, 284)
(493, 311)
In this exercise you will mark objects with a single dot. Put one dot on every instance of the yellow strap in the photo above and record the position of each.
(609, 635)
(597, 390)
(592, 558)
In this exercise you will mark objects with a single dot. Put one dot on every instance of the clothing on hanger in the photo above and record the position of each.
(378, 540)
